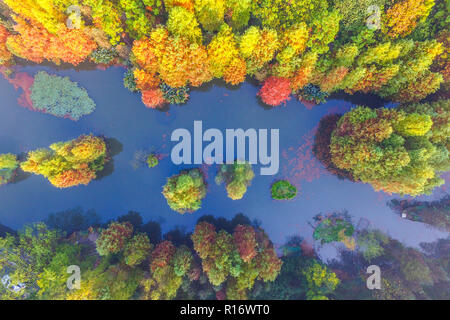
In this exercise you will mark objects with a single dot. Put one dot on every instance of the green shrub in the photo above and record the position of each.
(283, 190)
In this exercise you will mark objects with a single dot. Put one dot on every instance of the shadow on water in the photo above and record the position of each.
(225, 224)
(84, 66)
(257, 84)
(4, 230)
(360, 99)
(114, 147)
(216, 83)
(73, 220)
(263, 105)
(151, 228)
(20, 174)
(179, 236)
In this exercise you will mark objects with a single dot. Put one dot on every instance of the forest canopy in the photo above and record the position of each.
(402, 150)
(306, 48)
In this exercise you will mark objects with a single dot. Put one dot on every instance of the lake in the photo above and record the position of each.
(121, 115)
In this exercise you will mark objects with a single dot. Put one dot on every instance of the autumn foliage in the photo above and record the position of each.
(245, 241)
(186, 43)
(404, 15)
(237, 259)
(112, 240)
(153, 98)
(5, 55)
(275, 91)
(35, 43)
(391, 149)
(68, 164)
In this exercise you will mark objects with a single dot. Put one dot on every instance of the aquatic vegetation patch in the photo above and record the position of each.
(60, 97)
(152, 161)
(336, 226)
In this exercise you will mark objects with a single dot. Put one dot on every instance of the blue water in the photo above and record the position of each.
(121, 115)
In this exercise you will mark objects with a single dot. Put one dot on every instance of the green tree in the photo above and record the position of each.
(184, 192)
(320, 281)
(137, 249)
(24, 257)
(237, 177)
(390, 149)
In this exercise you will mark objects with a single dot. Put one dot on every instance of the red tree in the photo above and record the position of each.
(204, 238)
(112, 240)
(275, 91)
(153, 98)
(245, 241)
(162, 254)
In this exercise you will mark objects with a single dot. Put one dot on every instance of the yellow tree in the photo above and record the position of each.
(222, 51)
(183, 23)
(174, 59)
(258, 47)
(401, 19)
(106, 17)
(49, 13)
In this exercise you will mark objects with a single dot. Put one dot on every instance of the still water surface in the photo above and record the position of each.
(121, 115)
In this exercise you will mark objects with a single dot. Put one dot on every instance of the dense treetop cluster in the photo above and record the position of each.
(68, 164)
(402, 150)
(220, 259)
(310, 48)
(126, 259)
